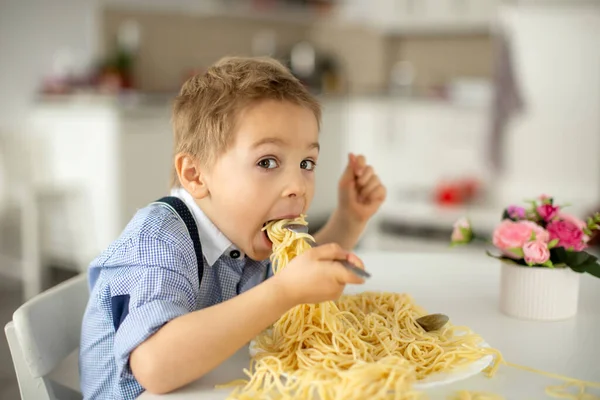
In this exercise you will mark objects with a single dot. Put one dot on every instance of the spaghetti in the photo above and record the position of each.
(286, 243)
(364, 346)
(361, 346)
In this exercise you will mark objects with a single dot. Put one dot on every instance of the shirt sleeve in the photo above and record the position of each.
(156, 287)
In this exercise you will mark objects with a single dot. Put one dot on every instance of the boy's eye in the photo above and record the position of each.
(308, 165)
(268, 163)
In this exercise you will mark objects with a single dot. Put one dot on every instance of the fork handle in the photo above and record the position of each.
(347, 264)
(358, 271)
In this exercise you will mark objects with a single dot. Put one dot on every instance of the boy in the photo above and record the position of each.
(183, 288)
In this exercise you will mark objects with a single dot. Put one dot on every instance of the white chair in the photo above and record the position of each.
(43, 224)
(44, 340)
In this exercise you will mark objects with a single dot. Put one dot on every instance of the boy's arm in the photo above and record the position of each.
(191, 345)
(360, 194)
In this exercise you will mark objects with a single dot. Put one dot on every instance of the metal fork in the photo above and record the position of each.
(429, 323)
(299, 228)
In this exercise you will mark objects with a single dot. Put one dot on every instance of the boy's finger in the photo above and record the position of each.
(343, 275)
(329, 252)
(360, 165)
(353, 258)
(348, 174)
(365, 191)
(368, 173)
(377, 194)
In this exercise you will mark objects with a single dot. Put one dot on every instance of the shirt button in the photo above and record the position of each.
(235, 254)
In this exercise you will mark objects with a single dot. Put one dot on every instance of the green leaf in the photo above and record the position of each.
(578, 268)
(559, 253)
(578, 261)
(593, 269)
(520, 262)
(548, 264)
(577, 257)
(493, 255)
(467, 234)
(532, 238)
(518, 251)
(553, 243)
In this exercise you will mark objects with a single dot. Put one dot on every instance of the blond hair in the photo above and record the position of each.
(205, 110)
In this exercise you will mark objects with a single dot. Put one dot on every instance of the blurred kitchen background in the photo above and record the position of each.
(463, 106)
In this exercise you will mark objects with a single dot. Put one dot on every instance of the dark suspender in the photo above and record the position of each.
(120, 303)
(184, 212)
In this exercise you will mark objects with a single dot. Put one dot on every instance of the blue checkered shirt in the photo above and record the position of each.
(144, 279)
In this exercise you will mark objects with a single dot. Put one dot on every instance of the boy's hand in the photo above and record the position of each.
(315, 276)
(360, 190)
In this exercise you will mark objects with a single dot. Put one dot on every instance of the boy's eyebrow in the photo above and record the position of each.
(277, 141)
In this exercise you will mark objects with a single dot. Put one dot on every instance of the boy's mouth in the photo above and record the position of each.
(264, 226)
(264, 231)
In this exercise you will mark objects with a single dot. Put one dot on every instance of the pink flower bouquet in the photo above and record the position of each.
(542, 235)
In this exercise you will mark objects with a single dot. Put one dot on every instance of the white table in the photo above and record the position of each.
(466, 287)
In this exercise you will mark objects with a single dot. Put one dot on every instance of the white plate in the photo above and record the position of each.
(437, 379)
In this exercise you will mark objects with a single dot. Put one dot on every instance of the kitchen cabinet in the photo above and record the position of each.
(117, 158)
(421, 16)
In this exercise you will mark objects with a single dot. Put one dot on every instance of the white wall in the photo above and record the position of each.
(553, 146)
(31, 32)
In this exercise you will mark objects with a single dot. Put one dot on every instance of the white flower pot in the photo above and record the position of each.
(537, 293)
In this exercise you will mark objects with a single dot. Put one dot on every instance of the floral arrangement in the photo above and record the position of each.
(541, 235)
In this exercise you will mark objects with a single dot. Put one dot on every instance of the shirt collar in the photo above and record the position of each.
(214, 242)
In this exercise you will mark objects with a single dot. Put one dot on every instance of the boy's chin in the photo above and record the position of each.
(259, 255)
(261, 250)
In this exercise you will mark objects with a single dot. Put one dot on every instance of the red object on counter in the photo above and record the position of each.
(448, 194)
(456, 192)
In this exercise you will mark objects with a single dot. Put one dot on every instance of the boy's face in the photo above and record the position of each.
(267, 173)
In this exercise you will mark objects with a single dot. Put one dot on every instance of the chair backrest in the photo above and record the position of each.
(44, 332)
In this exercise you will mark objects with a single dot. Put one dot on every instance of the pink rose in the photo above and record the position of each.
(571, 218)
(462, 231)
(580, 223)
(536, 252)
(569, 235)
(510, 235)
(540, 233)
(547, 211)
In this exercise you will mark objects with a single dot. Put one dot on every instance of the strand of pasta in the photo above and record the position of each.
(472, 395)
(561, 391)
(553, 375)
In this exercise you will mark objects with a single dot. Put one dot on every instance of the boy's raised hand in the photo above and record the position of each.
(361, 192)
(315, 276)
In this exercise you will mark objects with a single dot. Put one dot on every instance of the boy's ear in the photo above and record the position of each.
(190, 175)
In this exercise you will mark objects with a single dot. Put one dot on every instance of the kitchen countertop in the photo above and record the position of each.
(466, 287)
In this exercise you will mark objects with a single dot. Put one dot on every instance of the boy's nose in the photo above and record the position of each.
(295, 186)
